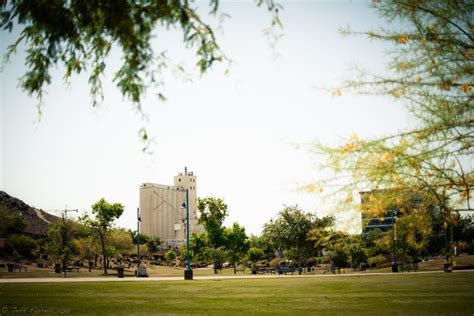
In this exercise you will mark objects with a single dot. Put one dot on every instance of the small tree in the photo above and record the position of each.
(61, 243)
(357, 252)
(254, 254)
(213, 211)
(290, 232)
(153, 244)
(105, 214)
(339, 256)
(236, 243)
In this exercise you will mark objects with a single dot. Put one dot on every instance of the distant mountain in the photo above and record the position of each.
(37, 220)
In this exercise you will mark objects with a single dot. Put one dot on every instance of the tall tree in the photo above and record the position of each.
(213, 212)
(289, 232)
(79, 35)
(236, 243)
(104, 215)
(430, 73)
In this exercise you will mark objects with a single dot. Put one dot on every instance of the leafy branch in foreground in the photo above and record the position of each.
(79, 36)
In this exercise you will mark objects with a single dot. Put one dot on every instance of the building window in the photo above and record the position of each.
(179, 179)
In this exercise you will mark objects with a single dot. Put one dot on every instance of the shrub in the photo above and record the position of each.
(275, 262)
(376, 261)
(254, 254)
(170, 255)
(311, 262)
(22, 244)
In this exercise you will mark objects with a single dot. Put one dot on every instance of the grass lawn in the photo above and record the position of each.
(163, 271)
(401, 294)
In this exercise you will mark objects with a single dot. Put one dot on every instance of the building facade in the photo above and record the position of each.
(162, 209)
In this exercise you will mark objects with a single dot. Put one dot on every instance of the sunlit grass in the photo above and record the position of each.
(389, 294)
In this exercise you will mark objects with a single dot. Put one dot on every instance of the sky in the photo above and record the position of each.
(236, 132)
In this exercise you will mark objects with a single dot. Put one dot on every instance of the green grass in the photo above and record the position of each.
(401, 294)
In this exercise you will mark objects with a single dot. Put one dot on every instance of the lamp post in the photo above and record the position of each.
(394, 242)
(188, 273)
(140, 272)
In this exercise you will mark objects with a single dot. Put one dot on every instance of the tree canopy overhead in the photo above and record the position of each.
(79, 36)
(431, 73)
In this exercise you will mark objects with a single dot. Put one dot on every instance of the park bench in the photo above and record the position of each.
(408, 266)
(73, 268)
(12, 267)
(285, 269)
(263, 270)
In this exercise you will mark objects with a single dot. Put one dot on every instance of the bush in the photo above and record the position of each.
(376, 261)
(311, 262)
(22, 244)
(469, 248)
(254, 254)
(275, 262)
(170, 255)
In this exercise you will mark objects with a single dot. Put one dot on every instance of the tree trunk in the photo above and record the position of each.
(299, 263)
(104, 257)
(235, 267)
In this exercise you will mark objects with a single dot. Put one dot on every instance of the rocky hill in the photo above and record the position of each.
(37, 220)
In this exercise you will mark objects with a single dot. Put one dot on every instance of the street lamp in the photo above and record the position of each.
(188, 273)
(394, 242)
(139, 219)
(141, 271)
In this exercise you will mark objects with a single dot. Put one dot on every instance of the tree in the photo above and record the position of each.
(290, 231)
(80, 35)
(61, 242)
(212, 212)
(142, 237)
(11, 224)
(430, 73)
(197, 245)
(254, 254)
(120, 240)
(321, 232)
(339, 256)
(104, 216)
(264, 244)
(154, 244)
(22, 244)
(236, 243)
(357, 251)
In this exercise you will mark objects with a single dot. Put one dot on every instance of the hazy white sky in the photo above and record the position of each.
(235, 132)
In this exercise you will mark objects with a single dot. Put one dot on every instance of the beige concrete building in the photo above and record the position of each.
(162, 212)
